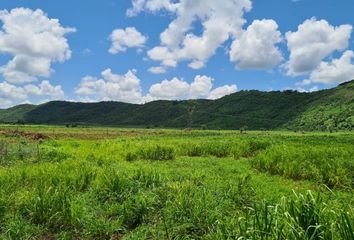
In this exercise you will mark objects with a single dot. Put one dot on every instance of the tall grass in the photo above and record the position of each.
(329, 165)
(176, 185)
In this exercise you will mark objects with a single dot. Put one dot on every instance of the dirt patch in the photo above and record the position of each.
(27, 135)
(117, 236)
(47, 237)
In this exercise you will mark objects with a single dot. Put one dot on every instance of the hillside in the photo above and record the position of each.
(15, 114)
(331, 109)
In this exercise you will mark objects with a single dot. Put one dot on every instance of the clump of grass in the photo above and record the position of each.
(84, 179)
(2, 210)
(190, 211)
(194, 150)
(303, 217)
(113, 186)
(345, 224)
(218, 149)
(135, 210)
(54, 155)
(155, 153)
(326, 165)
(49, 206)
(147, 179)
(250, 148)
(158, 153)
(17, 227)
(131, 156)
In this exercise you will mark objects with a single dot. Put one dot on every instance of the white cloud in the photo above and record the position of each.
(314, 89)
(312, 42)
(45, 89)
(157, 70)
(150, 5)
(200, 87)
(177, 89)
(222, 91)
(170, 90)
(122, 39)
(196, 65)
(125, 88)
(35, 42)
(336, 71)
(256, 47)
(11, 94)
(303, 90)
(220, 20)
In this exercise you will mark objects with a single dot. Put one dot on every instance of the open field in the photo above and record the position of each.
(107, 183)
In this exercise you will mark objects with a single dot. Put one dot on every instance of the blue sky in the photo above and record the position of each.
(92, 73)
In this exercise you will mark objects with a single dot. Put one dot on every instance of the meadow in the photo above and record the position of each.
(111, 183)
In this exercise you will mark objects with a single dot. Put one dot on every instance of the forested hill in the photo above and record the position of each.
(331, 109)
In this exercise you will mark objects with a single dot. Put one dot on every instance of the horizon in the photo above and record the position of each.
(145, 50)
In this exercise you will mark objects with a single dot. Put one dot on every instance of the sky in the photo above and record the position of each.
(139, 51)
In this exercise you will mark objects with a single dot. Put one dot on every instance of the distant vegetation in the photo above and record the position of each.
(107, 183)
(327, 110)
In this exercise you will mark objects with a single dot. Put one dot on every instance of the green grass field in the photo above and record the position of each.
(107, 183)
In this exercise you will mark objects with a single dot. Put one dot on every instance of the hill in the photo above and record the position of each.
(15, 114)
(331, 109)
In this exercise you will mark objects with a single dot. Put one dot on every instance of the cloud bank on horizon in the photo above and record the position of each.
(32, 42)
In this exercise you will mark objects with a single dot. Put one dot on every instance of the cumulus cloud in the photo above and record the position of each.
(222, 91)
(256, 47)
(157, 70)
(170, 90)
(220, 20)
(125, 88)
(45, 89)
(11, 94)
(336, 71)
(150, 5)
(177, 89)
(122, 39)
(35, 42)
(304, 90)
(312, 42)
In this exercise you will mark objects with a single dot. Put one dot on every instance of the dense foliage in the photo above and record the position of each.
(327, 110)
(106, 183)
